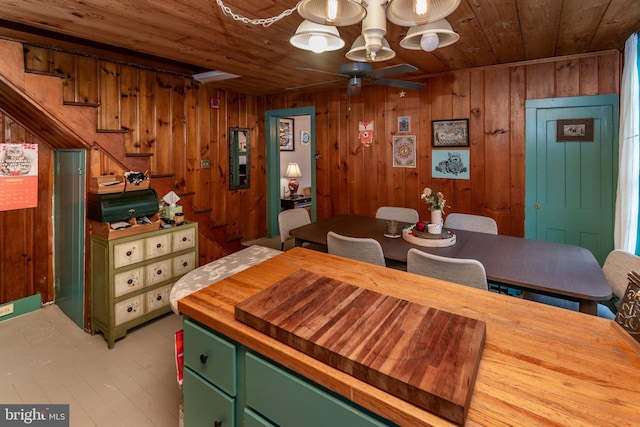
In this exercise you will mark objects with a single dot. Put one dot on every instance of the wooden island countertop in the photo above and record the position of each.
(540, 365)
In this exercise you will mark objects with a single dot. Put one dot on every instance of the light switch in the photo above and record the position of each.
(205, 164)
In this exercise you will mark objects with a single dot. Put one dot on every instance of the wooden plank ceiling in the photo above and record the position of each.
(197, 36)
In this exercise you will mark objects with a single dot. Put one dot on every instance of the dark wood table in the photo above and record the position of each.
(554, 269)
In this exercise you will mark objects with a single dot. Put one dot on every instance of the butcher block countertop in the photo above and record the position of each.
(539, 365)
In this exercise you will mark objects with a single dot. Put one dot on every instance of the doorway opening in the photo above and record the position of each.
(301, 151)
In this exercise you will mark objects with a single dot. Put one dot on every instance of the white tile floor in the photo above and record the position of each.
(46, 358)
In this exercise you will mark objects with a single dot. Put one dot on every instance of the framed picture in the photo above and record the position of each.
(285, 134)
(403, 123)
(452, 164)
(304, 137)
(450, 133)
(404, 151)
(574, 130)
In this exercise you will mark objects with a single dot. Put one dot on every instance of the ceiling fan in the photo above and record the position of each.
(355, 72)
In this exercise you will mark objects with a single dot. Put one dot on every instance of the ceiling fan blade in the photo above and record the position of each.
(398, 83)
(315, 70)
(313, 84)
(393, 69)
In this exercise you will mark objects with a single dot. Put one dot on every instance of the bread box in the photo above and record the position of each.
(122, 206)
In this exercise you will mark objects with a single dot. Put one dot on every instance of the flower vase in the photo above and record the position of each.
(436, 216)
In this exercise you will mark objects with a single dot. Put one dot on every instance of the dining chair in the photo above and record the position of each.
(363, 249)
(398, 213)
(481, 224)
(615, 268)
(468, 272)
(290, 219)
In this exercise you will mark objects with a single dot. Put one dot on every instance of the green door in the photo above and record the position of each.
(571, 186)
(69, 226)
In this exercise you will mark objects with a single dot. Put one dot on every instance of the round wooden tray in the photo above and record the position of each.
(442, 240)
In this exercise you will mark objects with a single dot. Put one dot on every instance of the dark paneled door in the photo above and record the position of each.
(68, 234)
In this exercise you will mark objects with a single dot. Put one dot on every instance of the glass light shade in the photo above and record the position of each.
(346, 12)
(360, 53)
(422, 36)
(312, 36)
(293, 171)
(403, 13)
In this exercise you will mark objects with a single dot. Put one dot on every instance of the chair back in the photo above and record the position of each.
(468, 272)
(290, 219)
(616, 267)
(397, 213)
(481, 224)
(357, 248)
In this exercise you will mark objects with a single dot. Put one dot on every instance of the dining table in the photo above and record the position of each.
(554, 269)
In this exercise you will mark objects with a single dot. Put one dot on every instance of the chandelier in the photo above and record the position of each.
(428, 28)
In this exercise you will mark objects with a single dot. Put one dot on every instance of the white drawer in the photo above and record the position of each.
(183, 264)
(184, 239)
(158, 298)
(158, 272)
(129, 309)
(127, 253)
(157, 245)
(127, 281)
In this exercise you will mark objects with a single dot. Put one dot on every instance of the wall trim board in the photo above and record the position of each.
(22, 306)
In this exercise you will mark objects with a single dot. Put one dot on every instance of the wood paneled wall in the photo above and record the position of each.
(26, 261)
(355, 179)
(170, 118)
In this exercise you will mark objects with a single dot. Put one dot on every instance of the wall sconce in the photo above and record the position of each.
(293, 172)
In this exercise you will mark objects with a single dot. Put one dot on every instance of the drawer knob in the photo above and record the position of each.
(159, 245)
(129, 309)
(184, 264)
(217, 424)
(203, 358)
(184, 239)
(130, 281)
(159, 298)
(128, 253)
(159, 272)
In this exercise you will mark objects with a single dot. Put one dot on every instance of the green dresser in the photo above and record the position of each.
(131, 277)
(227, 384)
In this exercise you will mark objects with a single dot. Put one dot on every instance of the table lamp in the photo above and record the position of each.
(293, 172)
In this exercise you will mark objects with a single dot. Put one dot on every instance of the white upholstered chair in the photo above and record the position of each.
(357, 248)
(397, 213)
(481, 224)
(290, 219)
(468, 272)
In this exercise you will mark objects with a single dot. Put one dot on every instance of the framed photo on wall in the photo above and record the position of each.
(574, 130)
(450, 133)
(404, 151)
(404, 123)
(285, 134)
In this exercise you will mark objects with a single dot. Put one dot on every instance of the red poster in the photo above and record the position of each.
(18, 176)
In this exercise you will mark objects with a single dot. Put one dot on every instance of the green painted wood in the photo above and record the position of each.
(297, 402)
(22, 306)
(69, 232)
(273, 163)
(204, 404)
(573, 184)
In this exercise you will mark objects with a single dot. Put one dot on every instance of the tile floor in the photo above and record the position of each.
(46, 358)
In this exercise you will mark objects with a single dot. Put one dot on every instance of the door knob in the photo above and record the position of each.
(537, 206)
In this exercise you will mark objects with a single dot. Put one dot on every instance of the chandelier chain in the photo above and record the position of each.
(265, 22)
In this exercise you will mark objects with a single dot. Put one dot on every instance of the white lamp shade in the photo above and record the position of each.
(316, 37)
(347, 12)
(421, 37)
(359, 52)
(293, 171)
(401, 12)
